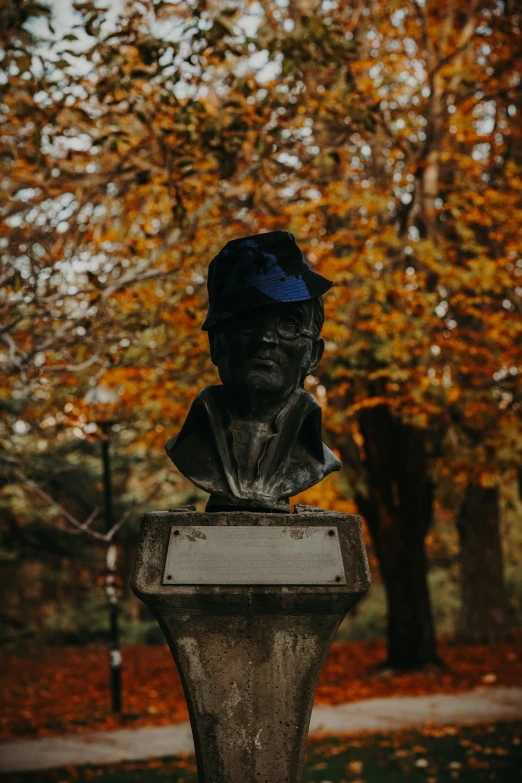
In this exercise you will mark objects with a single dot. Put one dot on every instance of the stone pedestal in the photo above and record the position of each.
(249, 655)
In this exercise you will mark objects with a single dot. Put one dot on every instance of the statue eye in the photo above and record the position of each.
(289, 326)
(246, 322)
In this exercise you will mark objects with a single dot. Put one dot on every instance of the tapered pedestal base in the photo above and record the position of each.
(249, 655)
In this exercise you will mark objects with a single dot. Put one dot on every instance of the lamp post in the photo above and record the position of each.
(103, 402)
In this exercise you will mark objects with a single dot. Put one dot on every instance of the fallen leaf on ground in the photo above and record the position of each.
(66, 690)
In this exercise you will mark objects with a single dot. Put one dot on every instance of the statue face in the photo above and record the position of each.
(266, 352)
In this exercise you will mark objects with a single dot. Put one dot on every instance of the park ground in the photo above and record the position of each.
(54, 691)
(443, 755)
(58, 691)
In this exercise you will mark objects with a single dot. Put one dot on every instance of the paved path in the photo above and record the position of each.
(104, 747)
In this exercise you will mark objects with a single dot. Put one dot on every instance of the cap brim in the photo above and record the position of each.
(295, 288)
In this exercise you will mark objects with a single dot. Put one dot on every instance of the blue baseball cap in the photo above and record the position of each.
(258, 270)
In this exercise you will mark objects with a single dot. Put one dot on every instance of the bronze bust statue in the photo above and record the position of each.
(255, 441)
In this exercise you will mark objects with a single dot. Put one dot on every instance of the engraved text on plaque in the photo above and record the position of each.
(253, 555)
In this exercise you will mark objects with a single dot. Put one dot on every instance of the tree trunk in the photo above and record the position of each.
(398, 511)
(402, 558)
(482, 618)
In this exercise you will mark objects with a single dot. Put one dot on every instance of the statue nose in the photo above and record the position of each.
(268, 330)
(268, 336)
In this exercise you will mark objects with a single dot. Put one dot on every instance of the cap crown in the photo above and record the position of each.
(256, 270)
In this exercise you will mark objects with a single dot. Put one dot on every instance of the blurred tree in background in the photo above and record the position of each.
(387, 137)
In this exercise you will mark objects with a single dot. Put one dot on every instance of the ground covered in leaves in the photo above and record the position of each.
(469, 755)
(58, 691)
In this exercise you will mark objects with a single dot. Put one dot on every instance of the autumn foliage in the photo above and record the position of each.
(386, 136)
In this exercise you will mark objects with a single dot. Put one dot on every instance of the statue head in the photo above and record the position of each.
(265, 316)
(269, 350)
(255, 441)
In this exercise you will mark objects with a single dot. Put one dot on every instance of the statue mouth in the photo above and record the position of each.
(261, 361)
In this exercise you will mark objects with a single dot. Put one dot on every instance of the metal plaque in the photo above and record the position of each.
(245, 555)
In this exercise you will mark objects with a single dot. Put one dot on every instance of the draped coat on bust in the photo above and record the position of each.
(289, 457)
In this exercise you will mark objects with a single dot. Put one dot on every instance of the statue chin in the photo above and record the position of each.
(264, 387)
(258, 383)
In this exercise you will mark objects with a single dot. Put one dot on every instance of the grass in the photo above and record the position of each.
(447, 755)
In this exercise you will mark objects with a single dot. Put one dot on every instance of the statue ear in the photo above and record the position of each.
(316, 354)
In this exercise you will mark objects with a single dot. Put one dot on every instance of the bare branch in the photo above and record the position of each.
(84, 527)
(90, 519)
(112, 532)
(10, 325)
(81, 526)
(422, 13)
(14, 352)
(468, 31)
(71, 367)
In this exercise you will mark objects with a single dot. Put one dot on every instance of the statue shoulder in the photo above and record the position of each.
(331, 461)
(305, 398)
(311, 432)
(194, 449)
(207, 401)
(209, 396)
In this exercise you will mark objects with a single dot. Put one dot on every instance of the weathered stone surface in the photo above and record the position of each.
(249, 656)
